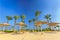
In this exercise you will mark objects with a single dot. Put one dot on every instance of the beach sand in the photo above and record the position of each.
(30, 36)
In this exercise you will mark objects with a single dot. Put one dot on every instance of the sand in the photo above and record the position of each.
(30, 36)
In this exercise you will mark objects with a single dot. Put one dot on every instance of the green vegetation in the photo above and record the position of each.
(8, 31)
(33, 20)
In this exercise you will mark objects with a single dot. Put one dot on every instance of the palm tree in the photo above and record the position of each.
(8, 19)
(37, 14)
(15, 19)
(22, 18)
(48, 18)
(29, 22)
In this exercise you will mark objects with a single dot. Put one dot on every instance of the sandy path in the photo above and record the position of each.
(31, 36)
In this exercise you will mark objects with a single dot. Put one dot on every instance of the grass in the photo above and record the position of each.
(29, 30)
(8, 31)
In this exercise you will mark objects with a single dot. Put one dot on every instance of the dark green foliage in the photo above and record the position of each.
(48, 17)
(34, 20)
(47, 29)
(9, 17)
(57, 26)
(37, 13)
(16, 17)
(22, 18)
(29, 21)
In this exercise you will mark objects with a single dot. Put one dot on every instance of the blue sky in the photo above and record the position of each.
(29, 7)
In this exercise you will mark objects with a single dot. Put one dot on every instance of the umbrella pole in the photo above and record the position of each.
(38, 28)
(34, 28)
(20, 29)
(5, 28)
(2, 29)
(41, 30)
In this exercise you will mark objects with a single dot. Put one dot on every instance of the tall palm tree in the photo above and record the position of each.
(15, 19)
(37, 14)
(8, 19)
(22, 18)
(29, 22)
(48, 18)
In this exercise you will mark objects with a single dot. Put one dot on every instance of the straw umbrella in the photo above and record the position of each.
(39, 24)
(53, 24)
(6, 24)
(1, 25)
(21, 24)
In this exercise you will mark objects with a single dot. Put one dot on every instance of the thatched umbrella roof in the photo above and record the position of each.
(40, 23)
(1, 25)
(21, 24)
(53, 24)
(6, 24)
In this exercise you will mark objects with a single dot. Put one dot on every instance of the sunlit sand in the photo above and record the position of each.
(30, 36)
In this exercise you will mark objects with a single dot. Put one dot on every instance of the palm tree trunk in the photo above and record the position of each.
(5, 26)
(7, 21)
(14, 25)
(35, 28)
(38, 28)
(22, 20)
(36, 19)
(48, 23)
(29, 26)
